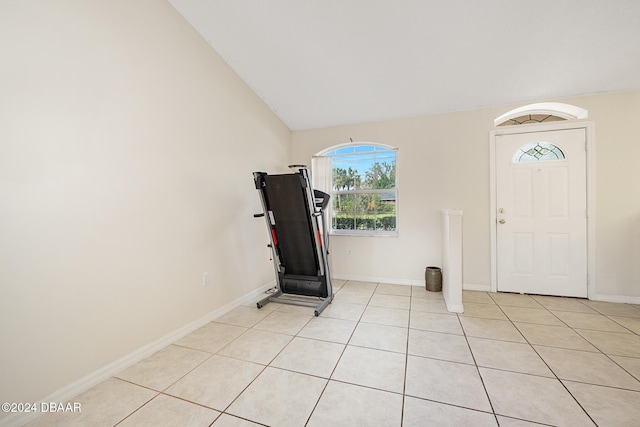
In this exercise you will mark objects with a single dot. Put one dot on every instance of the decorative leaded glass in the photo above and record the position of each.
(538, 152)
(532, 118)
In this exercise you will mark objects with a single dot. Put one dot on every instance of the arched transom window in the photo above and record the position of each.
(542, 112)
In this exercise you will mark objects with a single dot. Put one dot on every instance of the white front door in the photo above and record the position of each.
(541, 199)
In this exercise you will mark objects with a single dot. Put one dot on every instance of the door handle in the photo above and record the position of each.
(502, 221)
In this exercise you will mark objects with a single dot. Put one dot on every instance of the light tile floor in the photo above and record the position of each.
(387, 355)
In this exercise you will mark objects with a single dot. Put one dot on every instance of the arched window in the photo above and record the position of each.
(363, 184)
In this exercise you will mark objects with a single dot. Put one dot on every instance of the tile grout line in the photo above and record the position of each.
(406, 360)
(541, 358)
(475, 363)
(248, 328)
(263, 369)
(599, 351)
(162, 392)
(358, 322)
(339, 358)
(549, 367)
(596, 347)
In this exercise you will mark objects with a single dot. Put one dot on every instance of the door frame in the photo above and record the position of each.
(589, 128)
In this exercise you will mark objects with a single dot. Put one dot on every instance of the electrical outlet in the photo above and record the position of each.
(205, 279)
(348, 251)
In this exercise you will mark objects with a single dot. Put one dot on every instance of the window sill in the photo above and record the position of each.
(363, 233)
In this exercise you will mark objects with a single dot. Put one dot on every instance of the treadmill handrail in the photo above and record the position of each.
(311, 201)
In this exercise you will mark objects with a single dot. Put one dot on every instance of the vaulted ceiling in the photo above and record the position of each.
(320, 63)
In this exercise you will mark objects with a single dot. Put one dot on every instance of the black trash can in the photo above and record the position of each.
(433, 279)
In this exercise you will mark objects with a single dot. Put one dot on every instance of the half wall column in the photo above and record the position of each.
(452, 259)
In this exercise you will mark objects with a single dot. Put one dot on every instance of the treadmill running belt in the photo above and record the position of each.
(293, 229)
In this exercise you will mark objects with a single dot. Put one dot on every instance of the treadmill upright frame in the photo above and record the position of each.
(311, 289)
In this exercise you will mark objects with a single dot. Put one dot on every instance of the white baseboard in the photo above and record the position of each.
(68, 392)
(386, 280)
(454, 308)
(617, 298)
(473, 287)
(599, 297)
(476, 287)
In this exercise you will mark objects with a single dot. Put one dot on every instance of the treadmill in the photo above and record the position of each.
(295, 217)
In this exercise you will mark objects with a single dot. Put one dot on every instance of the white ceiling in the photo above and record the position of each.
(320, 63)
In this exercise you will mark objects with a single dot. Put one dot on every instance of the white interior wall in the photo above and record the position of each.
(617, 193)
(126, 152)
(443, 163)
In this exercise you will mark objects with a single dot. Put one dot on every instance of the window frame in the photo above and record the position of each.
(382, 148)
